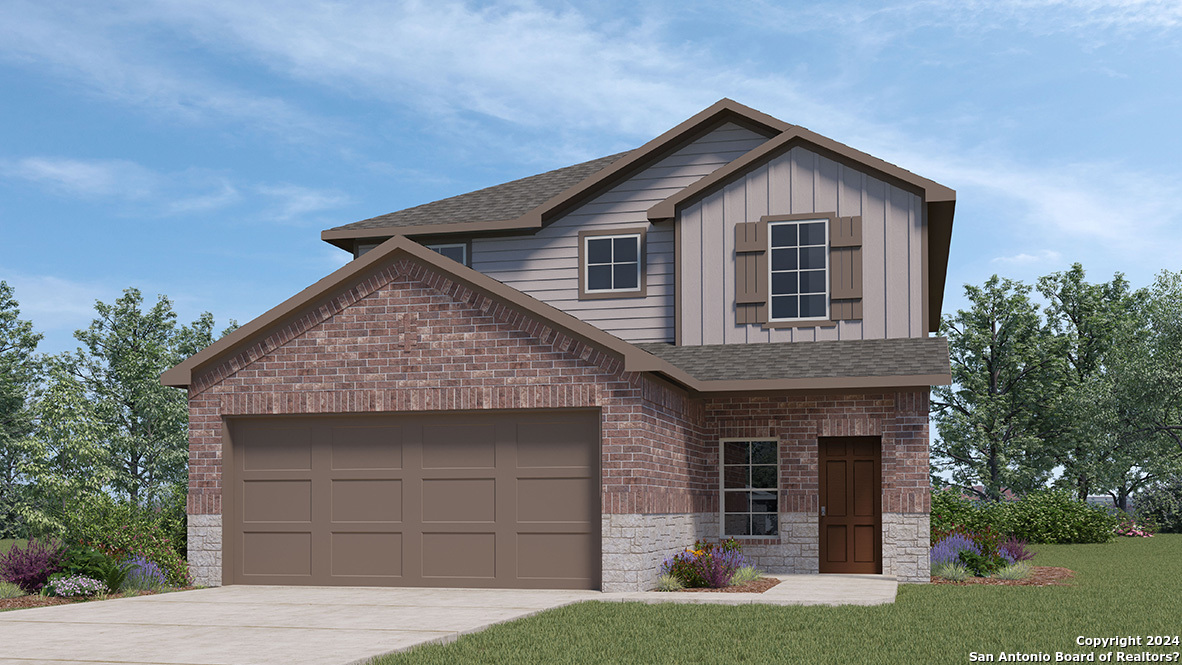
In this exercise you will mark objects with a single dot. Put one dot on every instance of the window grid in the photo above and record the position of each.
(612, 263)
(799, 269)
(749, 474)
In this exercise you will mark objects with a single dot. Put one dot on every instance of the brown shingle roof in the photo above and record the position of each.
(808, 360)
(499, 202)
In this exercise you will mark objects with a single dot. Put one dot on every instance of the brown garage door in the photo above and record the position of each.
(501, 499)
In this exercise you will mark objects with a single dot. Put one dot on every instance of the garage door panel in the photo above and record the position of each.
(366, 500)
(272, 554)
(277, 501)
(553, 555)
(459, 446)
(480, 499)
(367, 554)
(366, 448)
(279, 448)
(459, 555)
(459, 500)
(555, 500)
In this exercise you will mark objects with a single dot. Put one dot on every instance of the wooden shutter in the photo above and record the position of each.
(751, 272)
(845, 268)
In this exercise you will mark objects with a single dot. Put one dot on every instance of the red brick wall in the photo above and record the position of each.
(408, 339)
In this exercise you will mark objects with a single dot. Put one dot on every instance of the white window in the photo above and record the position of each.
(457, 252)
(799, 268)
(749, 476)
(611, 263)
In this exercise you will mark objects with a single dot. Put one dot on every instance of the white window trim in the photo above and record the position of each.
(722, 487)
(828, 286)
(587, 263)
(462, 245)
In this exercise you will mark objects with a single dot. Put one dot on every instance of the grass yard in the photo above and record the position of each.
(7, 543)
(1127, 587)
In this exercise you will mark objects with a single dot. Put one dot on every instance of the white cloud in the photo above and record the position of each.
(1043, 257)
(292, 202)
(56, 304)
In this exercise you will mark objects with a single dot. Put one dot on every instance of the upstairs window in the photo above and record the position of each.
(799, 269)
(611, 264)
(457, 252)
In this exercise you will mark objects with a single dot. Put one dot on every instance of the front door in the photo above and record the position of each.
(851, 505)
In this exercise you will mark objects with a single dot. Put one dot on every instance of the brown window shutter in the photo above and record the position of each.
(845, 268)
(751, 237)
(751, 278)
(751, 272)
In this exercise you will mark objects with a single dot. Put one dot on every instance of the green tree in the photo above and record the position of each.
(989, 422)
(106, 423)
(18, 379)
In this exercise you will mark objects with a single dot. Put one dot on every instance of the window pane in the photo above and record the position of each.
(784, 307)
(812, 234)
(783, 283)
(763, 452)
(738, 525)
(599, 278)
(764, 525)
(735, 476)
(738, 502)
(812, 281)
(763, 502)
(626, 250)
(599, 250)
(812, 257)
(763, 477)
(734, 452)
(783, 235)
(784, 259)
(453, 252)
(625, 276)
(812, 306)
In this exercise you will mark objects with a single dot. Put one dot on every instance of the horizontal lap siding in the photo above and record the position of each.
(801, 181)
(545, 265)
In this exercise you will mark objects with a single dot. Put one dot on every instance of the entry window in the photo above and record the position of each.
(750, 482)
(457, 252)
(799, 269)
(612, 263)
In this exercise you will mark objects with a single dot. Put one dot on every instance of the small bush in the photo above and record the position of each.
(746, 574)
(1046, 516)
(144, 575)
(30, 567)
(706, 564)
(75, 586)
(982, 565)
(1016, 550)
(1129, 527)
(948, 550)
(121, 530)
(1161, 503)
(669, 582)
(10, 590)
(951, 571)
(1014, 571)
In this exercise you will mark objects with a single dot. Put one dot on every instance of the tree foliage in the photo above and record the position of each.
(18, 379)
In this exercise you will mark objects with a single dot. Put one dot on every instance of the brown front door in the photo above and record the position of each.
(851, 505)
(475, 499)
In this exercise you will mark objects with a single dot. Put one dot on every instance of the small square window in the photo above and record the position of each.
(749, 503)
(612, 264)
(457, 252)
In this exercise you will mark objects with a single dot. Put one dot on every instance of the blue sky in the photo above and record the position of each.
(198, 149)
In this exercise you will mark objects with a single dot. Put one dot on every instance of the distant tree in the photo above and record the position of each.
(1005, 373)
(106, 423)
(18, 380)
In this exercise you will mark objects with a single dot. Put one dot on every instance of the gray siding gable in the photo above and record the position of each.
(545, 264)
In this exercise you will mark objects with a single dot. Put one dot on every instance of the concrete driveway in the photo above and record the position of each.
(240, 625)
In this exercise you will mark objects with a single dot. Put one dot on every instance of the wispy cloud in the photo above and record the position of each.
(289, 202)
(1044, 257)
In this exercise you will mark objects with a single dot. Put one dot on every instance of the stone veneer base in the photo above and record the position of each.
(205, 549)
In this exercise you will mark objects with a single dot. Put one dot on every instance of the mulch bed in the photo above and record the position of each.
(25, 602)
(758, 586)
(1039, 576)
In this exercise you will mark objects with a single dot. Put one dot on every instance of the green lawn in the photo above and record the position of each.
(1127, 587)
(7, 543)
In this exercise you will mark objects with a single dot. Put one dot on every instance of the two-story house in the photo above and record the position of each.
(561, 380)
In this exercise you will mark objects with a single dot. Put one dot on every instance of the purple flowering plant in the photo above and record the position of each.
(31, 566)
(706, 564)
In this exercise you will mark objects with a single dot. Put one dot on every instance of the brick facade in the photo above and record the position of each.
(406, 338)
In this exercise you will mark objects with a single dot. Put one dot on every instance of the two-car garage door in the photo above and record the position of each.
(486, 499)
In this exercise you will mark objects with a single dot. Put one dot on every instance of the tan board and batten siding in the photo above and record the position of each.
(546, 265)
(801, 181)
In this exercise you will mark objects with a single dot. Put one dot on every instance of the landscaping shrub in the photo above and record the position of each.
(982, 565)
(31, 566)
(706, 564)
(1016, 550)
(951, 571)
(1046, 516)
(745, 574)
(948, 550)
(1161, 503)
(74, 586)
(1128, 526)
(981, 553)
(1014, 571)
(668, 582)
(121, 530)
(10, 590)
(144, 575)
